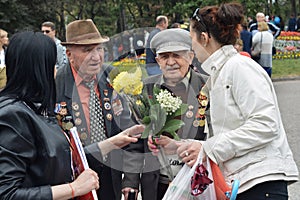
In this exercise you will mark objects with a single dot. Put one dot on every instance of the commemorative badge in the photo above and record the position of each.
(117, 104)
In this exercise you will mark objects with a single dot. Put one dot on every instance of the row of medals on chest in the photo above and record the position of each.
(66, 119)
(199, 119)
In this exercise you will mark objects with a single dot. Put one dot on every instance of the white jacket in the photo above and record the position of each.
(249, 141)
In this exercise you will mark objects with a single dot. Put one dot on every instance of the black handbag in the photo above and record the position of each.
(256, 57)
(273, 51)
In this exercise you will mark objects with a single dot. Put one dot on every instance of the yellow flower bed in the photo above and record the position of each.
(129, 62)
(287, 45)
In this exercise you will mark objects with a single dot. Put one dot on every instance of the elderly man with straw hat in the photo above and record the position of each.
(85, 99)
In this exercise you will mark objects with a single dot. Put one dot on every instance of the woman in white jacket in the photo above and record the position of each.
(248, 140)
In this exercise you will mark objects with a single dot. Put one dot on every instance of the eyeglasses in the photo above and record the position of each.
(46, 31)
(199, 19)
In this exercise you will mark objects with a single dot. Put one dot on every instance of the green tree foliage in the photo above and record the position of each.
(115, 16)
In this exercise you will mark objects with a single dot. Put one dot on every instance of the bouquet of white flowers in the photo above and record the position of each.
(158, 112)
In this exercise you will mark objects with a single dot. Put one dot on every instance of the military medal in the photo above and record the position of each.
(201, 122)
(75, 106)
(196, 123)
(201, 111)
(77, 114)
(117, 104)
(200, 115)
(57, 108)
(189, 113)
(105, 92)
(63, 125)
(204, 103)
(78, 121)
(63, 110)
(83, 136)
(58, 117)
(69, 125)
(109, 117)
(107, 106)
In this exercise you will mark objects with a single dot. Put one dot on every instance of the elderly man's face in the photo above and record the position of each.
(87, 60)
(175, 65)
(260, 18)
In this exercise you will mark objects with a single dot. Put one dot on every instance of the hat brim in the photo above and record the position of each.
(172, 49)
(87, 41)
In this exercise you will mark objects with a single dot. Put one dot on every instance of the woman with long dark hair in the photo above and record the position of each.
(35, 155)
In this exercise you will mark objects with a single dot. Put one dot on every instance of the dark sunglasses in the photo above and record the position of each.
(46, 31)
(199, 19)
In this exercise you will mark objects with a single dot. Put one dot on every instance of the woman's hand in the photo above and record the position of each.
(188, 151)
(87, 181)
(127, 136)
(165, 142)
(121, 140)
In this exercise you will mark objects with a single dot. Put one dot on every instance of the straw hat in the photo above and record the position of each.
(83, 32)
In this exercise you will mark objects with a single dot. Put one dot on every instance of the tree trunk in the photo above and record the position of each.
(293, 8)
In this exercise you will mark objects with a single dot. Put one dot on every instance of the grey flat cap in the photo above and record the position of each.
(170, 40)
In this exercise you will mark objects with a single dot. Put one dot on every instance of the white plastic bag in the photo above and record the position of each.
(180, 187)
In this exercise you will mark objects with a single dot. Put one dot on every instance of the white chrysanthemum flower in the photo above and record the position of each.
(169, 103)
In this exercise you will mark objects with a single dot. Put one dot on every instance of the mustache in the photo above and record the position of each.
(168, 67)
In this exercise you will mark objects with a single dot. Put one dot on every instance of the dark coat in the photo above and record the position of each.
(138, 153)
(246, 37)
(110, 171)
(34, 153)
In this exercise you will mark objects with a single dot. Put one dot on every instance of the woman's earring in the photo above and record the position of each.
(205, 45)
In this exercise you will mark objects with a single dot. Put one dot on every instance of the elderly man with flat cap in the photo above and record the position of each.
(174, 56)
(87, 100)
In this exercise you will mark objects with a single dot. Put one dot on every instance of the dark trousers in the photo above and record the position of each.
(273, 190)
(268, 70)
(106, 190)
(161, 190)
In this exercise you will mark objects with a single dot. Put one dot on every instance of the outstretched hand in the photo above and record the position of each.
(121, 140)
(127, 136)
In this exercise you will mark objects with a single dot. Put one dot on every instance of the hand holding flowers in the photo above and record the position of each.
(158, 112)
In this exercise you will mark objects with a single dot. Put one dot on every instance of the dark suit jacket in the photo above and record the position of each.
(138, 153)
(109, 171)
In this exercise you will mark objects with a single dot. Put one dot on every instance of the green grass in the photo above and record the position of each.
(285, 68)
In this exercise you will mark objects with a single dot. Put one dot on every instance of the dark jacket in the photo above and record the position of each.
(150, 56)
(272, 27)
(246, 37)
(110, 171)
(34, 153)
(138, 160)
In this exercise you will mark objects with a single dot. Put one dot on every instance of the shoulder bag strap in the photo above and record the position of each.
(261, 40)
